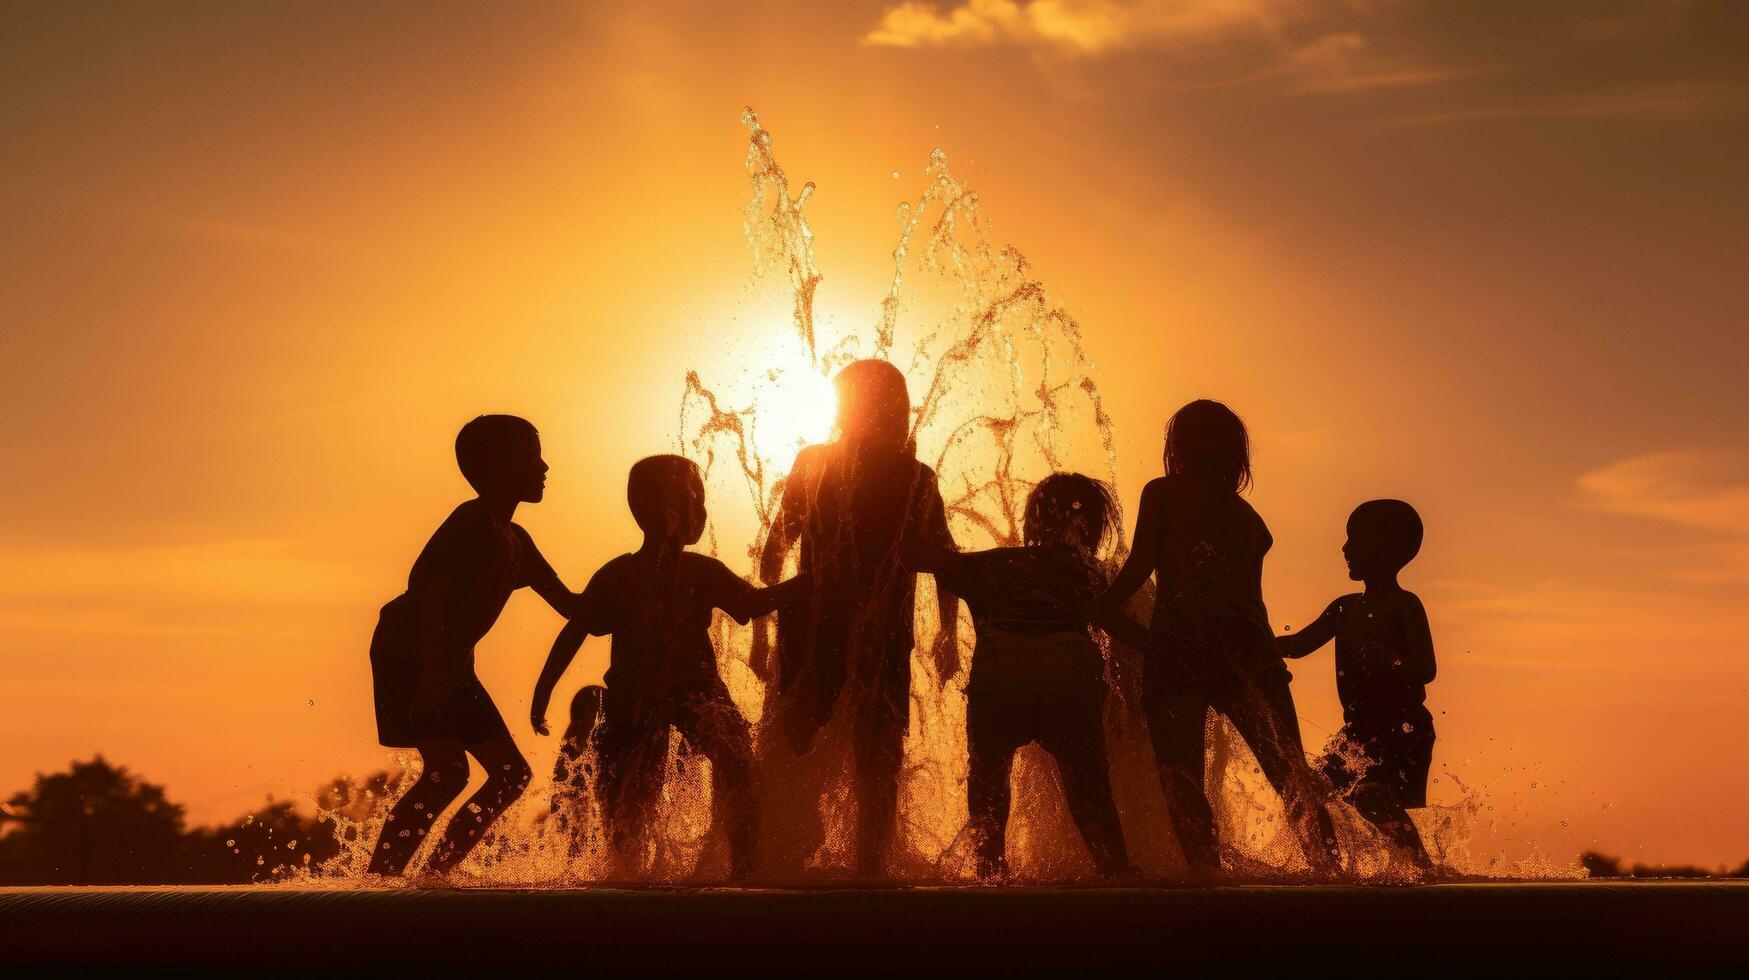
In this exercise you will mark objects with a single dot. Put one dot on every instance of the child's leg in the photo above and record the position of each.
(991, 742)
(1076, 737)
(715, 727)
(1176, 721)
(1378, 803)
(1265, 718)
(507, 775)
(443, 776)
(877, 755)
(633, 746)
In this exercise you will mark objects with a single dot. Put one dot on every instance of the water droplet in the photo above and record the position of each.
(231, 843)
(309, 702)
(895, 175)
(1409, 728)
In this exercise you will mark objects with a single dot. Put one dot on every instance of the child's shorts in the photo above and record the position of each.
(395, 665)
(1399, 754)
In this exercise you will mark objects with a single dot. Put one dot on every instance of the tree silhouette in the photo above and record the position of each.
(95, 824)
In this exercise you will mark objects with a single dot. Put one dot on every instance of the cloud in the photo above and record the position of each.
(1705, 493)
(1640, 59)
(1078, 26)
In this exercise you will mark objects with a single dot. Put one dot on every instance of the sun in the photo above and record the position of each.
(794, 405)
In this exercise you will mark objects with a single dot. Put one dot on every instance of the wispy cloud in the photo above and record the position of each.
(1643, 59)
(1706, 493)
(1078, 26)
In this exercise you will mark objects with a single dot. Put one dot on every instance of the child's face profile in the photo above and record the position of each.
(691, 517)
(525, 472)
(1367, 552)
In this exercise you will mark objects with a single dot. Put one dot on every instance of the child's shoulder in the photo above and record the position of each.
(1410, 603)
(699, 562)
(614, 568)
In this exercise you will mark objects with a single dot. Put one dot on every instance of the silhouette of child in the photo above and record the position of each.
(571, 778)
(1036, 674)
(850, 503)
(1211, 644)
(422, 655)
(657, 602)
(1384, 662)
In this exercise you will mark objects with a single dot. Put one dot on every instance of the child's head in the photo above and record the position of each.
(874, 404)
(1207, 441)
(1383, 536)
(585, 710)
(499, 455)
(1069, 508)
(666, 494)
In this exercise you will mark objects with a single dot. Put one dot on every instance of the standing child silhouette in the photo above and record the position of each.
(848, 641)
(422, 655)
(1212, 645)
(657, 604)
(1036, 673)
(1384, 662)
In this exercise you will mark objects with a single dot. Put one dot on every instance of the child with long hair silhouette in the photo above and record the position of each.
(422, 655)
(1036, 673)
(1212, 645)
(1384, 662)
(850, 503)
(657, 604)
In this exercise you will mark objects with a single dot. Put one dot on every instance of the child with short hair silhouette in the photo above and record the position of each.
(1036, 673)
(422, 654)
(656, 603)
(1384, 662)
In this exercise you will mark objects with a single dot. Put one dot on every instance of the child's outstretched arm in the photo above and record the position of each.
(1104, 610)
(949, 575)
(743, 602)
(1322, 631)
(538, 575)
(788, 523)
(565, 647)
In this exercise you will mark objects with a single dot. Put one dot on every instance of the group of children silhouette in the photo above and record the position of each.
(867, 517)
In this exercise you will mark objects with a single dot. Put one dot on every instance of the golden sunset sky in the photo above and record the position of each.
(260, 261)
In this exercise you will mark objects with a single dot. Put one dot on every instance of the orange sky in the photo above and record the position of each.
(261, 262)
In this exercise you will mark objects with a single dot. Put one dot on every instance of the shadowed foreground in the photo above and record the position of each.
(1561, 928)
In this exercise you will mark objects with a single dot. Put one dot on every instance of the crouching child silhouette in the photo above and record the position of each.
(1384, 662)
(1036, 673)
(422, 655)
(662, 672)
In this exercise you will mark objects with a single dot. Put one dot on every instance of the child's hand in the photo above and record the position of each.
(537, 717)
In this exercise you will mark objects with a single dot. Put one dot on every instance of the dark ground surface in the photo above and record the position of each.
(1495, 929)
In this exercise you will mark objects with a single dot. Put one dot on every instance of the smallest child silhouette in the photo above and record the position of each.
(662, 670)
(572, 773)
(1384, 662)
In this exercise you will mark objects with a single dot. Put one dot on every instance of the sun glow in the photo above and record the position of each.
(794, 405)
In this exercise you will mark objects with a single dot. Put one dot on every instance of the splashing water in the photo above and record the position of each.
(1008, 396)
